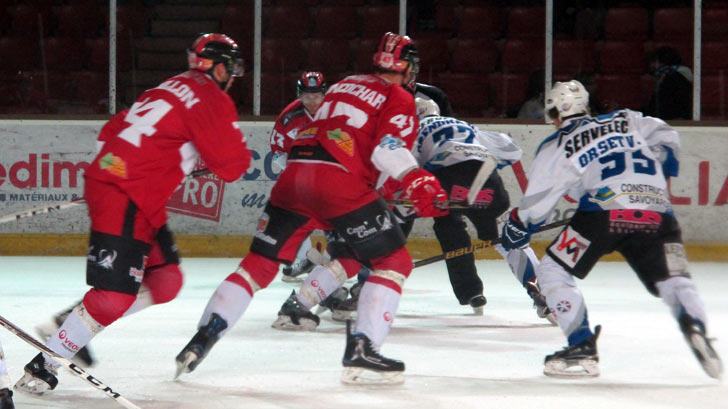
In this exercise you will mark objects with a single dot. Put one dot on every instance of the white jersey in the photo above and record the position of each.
(445, 141)
(614, 161)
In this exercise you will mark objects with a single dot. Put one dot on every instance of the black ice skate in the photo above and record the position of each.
(477, 302)
(581, 360)
(40, 376)
(199, 346)
(6, 399)
(332, 303)
(539, 301)
(694, 332)
(294, 317)
(83, 357)
(361, 356)
(346, 310)
(293, 273)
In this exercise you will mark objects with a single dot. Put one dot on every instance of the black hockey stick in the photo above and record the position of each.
(477, 247)
(75, 369)
(73, 203)
(452, 204)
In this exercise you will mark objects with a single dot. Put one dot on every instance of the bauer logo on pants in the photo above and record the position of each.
(570, 247)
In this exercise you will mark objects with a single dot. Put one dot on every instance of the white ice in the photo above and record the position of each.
(454, 359)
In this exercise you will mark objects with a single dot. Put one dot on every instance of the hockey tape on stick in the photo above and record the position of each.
(484, 172)
(477, 247)
(75, 369)
(73, 203)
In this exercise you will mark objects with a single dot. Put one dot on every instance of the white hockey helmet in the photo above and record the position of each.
(566, 99)
(426, 107)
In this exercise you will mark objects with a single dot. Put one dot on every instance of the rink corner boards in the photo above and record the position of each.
(36, 244)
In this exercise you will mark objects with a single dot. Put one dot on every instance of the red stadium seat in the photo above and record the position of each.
(328, 54)
(433, 51)
(363, 54)
(445, 17)
(79, 21)
(522, 56)
(572, 56)
(471, 55)
(336, 22)
(27, 20)
(286, 21)
(18, 54)
(131, 21)
(237, 22)
(623, 57)
(621, 91)
(344, 2)
(479, 22)
(626, 23)
(273, 95)
(98, 54)
(714, 96)
(509, 90)
(715, 57)
(468, 93)
(281, 54)
(714, 24)
(380, 19)
(64, 54)
(673, 24)
(95, 90)
(526, 22)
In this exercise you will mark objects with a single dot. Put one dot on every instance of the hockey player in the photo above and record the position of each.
(362, 131)
(310, 87)
(617, 164)
(144, 153)
(6, 395)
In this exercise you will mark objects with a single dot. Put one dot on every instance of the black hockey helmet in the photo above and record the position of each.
(212, 48)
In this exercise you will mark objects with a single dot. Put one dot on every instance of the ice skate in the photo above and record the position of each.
(694, 332)
(539, 302)
(294, 317)
(6, 399)
(199, 346)
(40, 376)
(83, 357)
(581, 360)
(332, 303)
(293, 273)
(363, 365)
(346, 309)
(477, 302)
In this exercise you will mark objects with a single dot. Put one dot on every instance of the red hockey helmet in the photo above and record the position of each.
(212, 48)
(395, 53)
(311, 82)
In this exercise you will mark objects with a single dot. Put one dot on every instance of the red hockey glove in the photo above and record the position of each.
(428, 197)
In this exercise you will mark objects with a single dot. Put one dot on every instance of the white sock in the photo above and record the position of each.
(229, 301)
(77, 330)
(320, 283)
(562, 295)
(375, 313)
(679, 293)
(522, 262)
(143, 300)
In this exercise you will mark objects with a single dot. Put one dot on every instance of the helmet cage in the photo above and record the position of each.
(311, 82)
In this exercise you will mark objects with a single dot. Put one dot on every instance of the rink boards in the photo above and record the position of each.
(42, 162)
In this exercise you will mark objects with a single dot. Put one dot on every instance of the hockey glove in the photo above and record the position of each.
(514, 234)
(428, 198)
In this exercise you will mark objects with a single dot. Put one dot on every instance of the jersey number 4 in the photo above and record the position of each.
(143, 116)
(617, 163)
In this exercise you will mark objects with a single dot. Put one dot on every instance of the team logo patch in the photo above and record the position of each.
(563, 306)
(570, 247)
(137, 274)
(106, 259)
(308, 133)
(634, 221)
(343, 140)
(113, 164)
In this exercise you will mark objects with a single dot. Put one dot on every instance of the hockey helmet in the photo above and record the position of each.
(395, 53)
(311, 82)
(566, 99)
(210, 49)
(426, 107)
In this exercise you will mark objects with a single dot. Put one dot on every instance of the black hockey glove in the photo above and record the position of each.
(514, 234)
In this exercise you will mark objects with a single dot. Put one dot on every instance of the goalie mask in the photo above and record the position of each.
(395, 53)
(566, 99)
(211, 49)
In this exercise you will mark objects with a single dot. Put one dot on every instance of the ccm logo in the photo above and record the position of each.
(67, 342)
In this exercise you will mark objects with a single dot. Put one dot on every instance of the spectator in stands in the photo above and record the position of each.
(672, 98)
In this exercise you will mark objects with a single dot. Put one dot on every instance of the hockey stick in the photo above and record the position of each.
(477, 247)
(75, 369)
(453, 204)
(73, 203)
(481, 177)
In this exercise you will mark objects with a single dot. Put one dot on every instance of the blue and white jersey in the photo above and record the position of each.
(444, 141)
(614, 161)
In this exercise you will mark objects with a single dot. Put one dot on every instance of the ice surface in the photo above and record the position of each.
(454, 359)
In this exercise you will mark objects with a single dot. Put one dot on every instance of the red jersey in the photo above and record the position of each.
(358, 114)
(147, 150)
(289, 122)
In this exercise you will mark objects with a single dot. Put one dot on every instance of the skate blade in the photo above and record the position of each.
(478, 310)
(362, 376)
(342, 316)
(183, 366)
(284, 323)
(707, 356)
(291, 279)
(30, 384)
(585, 368)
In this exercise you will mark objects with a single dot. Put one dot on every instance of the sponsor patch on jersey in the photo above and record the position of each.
(113, 164)
(390, 142)
(343, 140)
(570, 247)
(137, 274)
(307, 133)
(634, 221)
